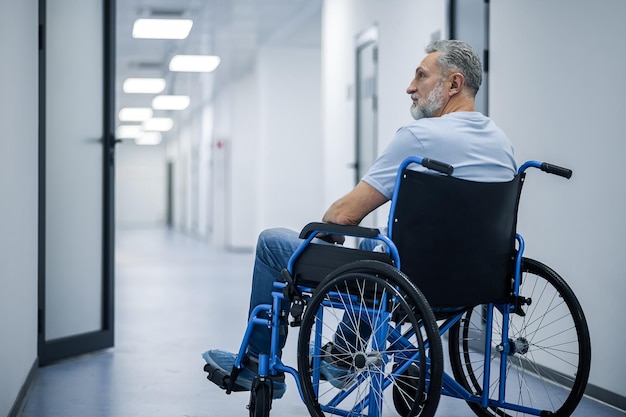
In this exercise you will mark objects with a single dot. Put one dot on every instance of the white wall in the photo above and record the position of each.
(220, 109)
(140, 185)
(18, 188)
(338, 69)
(556, 88)
(214, 150)
(205, 174)
(290, 131)
(243, 175)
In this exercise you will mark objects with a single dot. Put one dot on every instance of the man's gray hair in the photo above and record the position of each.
(459, 56)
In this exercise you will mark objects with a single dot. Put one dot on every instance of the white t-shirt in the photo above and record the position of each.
(469, 141)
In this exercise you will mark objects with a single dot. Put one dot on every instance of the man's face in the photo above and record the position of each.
(426, 89)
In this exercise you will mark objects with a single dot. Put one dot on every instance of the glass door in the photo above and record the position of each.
(76, 178)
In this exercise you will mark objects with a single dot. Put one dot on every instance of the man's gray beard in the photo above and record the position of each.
(428, 106)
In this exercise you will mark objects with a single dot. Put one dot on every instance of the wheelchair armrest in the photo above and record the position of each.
(338, 229)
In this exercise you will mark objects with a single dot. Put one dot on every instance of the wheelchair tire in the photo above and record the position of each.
(406, 387)
(549, 368)
(371, 377)
(260, 399)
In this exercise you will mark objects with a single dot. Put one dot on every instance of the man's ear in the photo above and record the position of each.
(457, 81)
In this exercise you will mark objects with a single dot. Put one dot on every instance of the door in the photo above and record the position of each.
(76, 177)
(366, 107)
(469, 21)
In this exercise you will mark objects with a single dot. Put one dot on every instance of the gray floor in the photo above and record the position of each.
(175, 298)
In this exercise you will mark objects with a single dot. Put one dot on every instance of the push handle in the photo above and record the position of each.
(556, 170)
(438, 166)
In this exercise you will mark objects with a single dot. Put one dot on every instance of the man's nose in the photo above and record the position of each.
(411, 88)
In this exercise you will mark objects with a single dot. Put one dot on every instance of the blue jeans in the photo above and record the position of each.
(273, 250)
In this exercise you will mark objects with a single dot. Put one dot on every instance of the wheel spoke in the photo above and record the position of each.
(548, 364)
(382, 326)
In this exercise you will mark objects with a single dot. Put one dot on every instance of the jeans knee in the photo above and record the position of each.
(274, 237)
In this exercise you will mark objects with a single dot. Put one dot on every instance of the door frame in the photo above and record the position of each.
(454, 25)
(368, 37)
(53, 350)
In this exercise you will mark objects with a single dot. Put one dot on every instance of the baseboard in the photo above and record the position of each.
(20, 401)
(606, 396)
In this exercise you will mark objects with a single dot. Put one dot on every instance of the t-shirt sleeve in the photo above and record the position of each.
(382, 174)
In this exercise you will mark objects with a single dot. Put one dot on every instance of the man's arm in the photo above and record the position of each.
(354, 206)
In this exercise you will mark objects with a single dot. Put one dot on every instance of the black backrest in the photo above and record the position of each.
(456, 238)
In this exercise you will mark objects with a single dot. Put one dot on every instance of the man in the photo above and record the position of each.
(446, 128)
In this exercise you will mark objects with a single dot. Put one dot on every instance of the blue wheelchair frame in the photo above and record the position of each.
(271, 364)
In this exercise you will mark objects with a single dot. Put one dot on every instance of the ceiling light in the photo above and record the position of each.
(194, 63)
(135, 114)
(158, 124)
(149, 138)
(170, 102)
(162, 28)
(143, 85)
(128, 131)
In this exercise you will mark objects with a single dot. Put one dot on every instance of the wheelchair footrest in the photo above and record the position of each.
(221, 378)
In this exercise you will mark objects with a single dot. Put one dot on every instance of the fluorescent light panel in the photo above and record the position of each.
(162, 28)
(144, 85)
(194, 63)
(134, 114)
(170, 102)
(158, 124)
(128, 131)
(149, 138)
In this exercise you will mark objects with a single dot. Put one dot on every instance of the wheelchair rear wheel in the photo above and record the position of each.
(387, 354)
(550, 358)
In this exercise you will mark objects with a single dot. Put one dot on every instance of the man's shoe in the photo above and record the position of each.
(219, 365)
(336, 367)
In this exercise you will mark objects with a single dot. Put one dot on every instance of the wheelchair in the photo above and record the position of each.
(452, 269)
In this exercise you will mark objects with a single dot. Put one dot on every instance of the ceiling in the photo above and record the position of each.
(231, 29)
